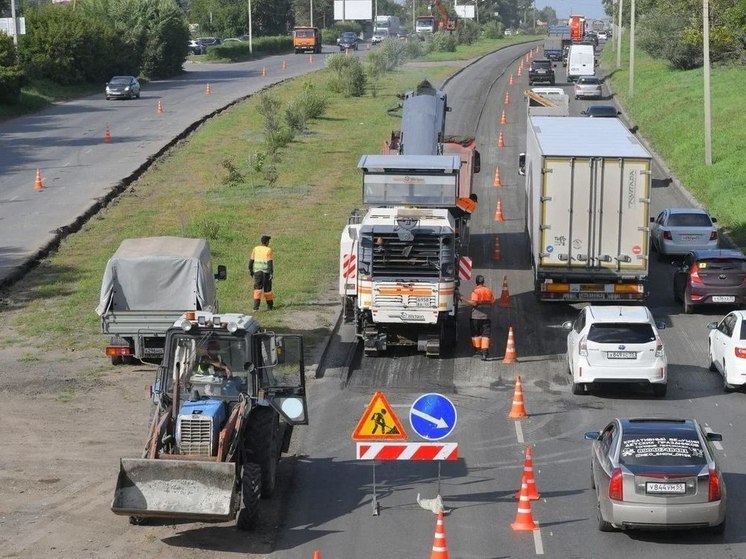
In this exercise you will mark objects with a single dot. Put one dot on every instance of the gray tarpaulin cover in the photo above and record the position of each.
(158, 273)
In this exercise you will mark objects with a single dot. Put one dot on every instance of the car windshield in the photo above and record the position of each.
(719, 264)
(621, 333)
(119, 81)
(588, 81)
(304, 33)
(661, 449)
(689, 220)
(599, 110)
(349, 36)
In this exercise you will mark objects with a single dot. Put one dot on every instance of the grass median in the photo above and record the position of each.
(184, 194)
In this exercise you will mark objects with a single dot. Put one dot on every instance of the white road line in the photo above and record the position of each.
(519, 432)
(538, 544)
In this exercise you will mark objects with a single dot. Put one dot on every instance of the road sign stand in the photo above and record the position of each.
(376, 506)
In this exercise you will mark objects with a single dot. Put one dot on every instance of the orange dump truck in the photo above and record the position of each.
(307, 39)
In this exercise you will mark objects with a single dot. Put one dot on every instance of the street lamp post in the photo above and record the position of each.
(632, 50)
(251, 44)
(619, 36)
(706, 52)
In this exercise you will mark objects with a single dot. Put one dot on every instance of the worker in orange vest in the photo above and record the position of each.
(481, 302)
(261, 268)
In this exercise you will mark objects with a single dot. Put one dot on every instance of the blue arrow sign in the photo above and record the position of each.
(432, 416)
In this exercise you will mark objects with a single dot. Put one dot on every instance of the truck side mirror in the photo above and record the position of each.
(522, 164)
(478, 163)
(222, 273)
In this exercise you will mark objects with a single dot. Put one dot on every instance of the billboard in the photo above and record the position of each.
(353, 10)
(464, 11)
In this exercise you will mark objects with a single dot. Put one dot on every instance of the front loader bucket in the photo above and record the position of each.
(176, 489)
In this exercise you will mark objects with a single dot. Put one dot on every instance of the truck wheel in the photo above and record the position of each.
(116, 360)
(251, 488)
(263, 446)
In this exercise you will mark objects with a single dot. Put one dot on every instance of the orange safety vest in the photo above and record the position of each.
(262, 256)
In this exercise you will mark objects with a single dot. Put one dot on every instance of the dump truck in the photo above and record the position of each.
(547, 101)
(225, 400)
(149, 283)
(588, 184)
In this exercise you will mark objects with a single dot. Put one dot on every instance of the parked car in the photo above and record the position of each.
(616, 344)
(727, 349)
(601, 111)
(233, 40)
(195, 47)
(588, 87)
(348, 40)
(208, 42)
(681, 230)
(541, 71)
(711, 277)
(657, 474)
(123, 87)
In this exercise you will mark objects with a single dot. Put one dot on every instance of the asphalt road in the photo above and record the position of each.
(81, 171)
(331, 508)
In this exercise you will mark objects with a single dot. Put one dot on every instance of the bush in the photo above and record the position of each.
(395, 51)
(235, 50)
(468, 32)
(348, 76)
(295, 116)
(493, 30)
(12, 76)
(166, 39)
(443, 41)
(276, 136)
(314, 102)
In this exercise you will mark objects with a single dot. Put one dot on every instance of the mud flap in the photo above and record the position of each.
(176, 489)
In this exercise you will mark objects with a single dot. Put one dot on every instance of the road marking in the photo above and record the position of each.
(13, 199)
(538, 544)
(519, 432)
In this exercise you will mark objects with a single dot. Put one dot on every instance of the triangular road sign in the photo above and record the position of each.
(379, 422)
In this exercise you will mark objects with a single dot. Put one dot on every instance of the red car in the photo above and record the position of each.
(711, 277)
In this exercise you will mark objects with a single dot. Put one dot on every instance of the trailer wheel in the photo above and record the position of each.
(263, 446)
(251, 488)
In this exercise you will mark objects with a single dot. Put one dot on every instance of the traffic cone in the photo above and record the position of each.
(498, 183)
(504, 301)
(38, 183)
(507, 97)
(107, 135)
(440, 547)
(310, 59)
(499, 211)
(347, 52)
(264, 71)
(208, 91)
(496, 254)
(159, 108)
(520, 69)
(284, 64)
(510, 357)
(316, 555)
(517, 410)
(528, 477)
(503, 118)
(510, 82)
(501, 140)
(524, 520)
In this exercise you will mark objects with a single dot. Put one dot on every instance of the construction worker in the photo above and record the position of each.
(261, 269)
(480, 302)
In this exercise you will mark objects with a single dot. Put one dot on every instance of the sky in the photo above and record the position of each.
(591, 9)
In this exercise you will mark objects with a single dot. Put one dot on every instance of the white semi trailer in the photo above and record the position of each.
(588, 184)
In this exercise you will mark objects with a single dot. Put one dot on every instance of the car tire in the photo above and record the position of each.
(593, 479)
(659, 390)
(578, 388)
(603, 525)
(138, 95)
(712, 367)
(726, 387)
(688, 306)
(719, 529)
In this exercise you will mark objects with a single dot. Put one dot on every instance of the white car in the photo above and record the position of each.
(618, 344)
(682, 230)
(602, 35)
(727, 349)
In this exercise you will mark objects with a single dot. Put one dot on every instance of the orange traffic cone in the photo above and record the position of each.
(510, 82)
(264, 71)
(524, 520)
(107, 135)
(284, 64)
(510, 357)
(528, 477)
(517, 410)
(38, 183)
(440, 548)
(208, 91)
(316, 555)
(496, 253)
(520, 69)
(503, 119)
(499, 211)
(501, 140)
(310, 59)
(498, 183)
(504, 301)
(159, 108)
(507, 97)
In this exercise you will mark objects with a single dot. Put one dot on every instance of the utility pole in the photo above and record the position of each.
(706, 49)
(619, 36)
(632, 51)
(251, 44)
(15, 21)
(312, 13)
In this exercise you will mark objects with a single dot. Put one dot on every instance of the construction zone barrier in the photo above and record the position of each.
(499, 211)
(528, 477)
(524, 520)
(497, 183)
(496, 253)
(159, 109)
(107, 135)
(38, 183)
(440, 547)
(518, 409)
(511, 357)
(504, 301)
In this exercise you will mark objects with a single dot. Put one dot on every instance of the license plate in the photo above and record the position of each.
(422, 301)
(621, 354)
(690, 237)
(655, 487)
(723, 299)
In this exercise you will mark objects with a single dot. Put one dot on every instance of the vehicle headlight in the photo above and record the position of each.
(127, 88)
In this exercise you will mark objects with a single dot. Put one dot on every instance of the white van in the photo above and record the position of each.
(580, 62)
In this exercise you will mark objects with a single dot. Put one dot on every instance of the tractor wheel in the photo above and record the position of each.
(251, 488)
(263, 445)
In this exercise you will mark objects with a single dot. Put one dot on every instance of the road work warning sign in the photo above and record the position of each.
(379, 422)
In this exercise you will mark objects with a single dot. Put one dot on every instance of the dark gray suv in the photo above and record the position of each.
(541, 71)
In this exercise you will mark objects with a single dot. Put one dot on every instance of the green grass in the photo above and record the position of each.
(668, 106)
(42, 93)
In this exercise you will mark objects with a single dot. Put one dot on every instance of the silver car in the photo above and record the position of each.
(657, 474)
(588, 87)
(682, 230)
